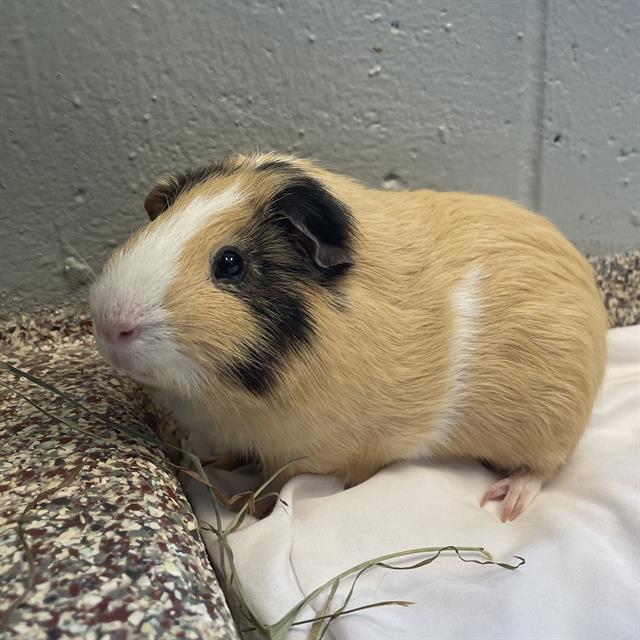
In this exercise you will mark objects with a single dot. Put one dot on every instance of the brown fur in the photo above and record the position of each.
(370, 389)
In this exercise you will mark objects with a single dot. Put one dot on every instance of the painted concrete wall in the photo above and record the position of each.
(537, 100)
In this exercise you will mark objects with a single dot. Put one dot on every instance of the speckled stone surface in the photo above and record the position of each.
(619, 279)
(114, 548)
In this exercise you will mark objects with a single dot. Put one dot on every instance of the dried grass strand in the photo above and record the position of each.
(26, 547)
(231, 583)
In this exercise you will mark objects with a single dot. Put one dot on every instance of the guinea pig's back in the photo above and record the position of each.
(527, 343)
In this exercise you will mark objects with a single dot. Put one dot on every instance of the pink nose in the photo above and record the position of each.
(120, 333)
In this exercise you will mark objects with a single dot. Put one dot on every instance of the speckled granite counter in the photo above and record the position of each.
(619, 279)
(114, 550)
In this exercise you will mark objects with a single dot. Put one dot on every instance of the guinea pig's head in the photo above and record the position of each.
(219, 288)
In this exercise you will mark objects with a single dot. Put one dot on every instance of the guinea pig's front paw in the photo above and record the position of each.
(516, 491)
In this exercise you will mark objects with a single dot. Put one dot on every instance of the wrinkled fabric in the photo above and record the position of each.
(579, 538)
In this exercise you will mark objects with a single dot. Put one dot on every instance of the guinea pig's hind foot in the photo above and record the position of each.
(516, 491)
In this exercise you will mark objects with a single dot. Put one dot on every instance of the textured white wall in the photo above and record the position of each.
(537, 100)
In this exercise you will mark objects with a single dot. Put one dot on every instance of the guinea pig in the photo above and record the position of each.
(283, 311)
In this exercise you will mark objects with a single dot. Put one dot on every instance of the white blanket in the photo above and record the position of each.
(580, 539)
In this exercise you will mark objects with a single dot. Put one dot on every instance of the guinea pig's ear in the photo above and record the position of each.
(161, 196)
(324, 222)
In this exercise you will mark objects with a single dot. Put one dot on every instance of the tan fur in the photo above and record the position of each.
(379, 375)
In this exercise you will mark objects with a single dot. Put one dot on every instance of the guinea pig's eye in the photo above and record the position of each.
(228, 265)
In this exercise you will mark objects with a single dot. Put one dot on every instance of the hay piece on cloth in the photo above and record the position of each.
(579, 538)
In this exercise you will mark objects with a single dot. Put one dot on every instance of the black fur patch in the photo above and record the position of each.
(282, 273)
(305, 201)
(285, 331)
(273, 288)
(192, 177)
(274, 166)
(176, 184)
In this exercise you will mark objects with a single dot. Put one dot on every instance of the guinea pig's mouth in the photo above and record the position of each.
(148, 354)
(120, 356)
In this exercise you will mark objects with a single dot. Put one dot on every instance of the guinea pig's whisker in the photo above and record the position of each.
(77, 285)
(86, 279)
(68, 245)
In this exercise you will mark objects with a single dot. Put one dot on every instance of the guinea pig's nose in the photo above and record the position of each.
(120, 332)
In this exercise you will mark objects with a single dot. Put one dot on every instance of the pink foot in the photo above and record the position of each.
(516, 491)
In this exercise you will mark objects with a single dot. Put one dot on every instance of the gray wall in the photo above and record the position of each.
(537, 100)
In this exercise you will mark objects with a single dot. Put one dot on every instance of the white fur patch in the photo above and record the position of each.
(133, 285)
(467, 307)
(154, 359)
